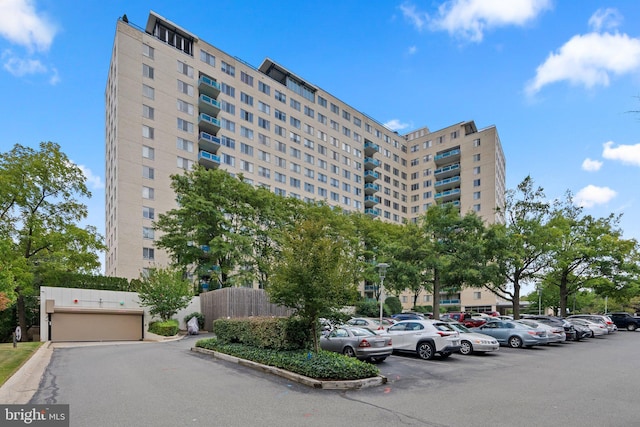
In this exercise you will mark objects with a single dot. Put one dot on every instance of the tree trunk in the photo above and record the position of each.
(516, 300)
(22, 316)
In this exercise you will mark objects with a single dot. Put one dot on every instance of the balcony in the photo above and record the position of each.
(447, 171)
(208, 142)
(372, 212)
(455, 203)
(370, 148)
(208, 105)
(370, 188)
(370, 176)
(371, 201)
(208, 86)
(371, 163)
(446, 196)
(208, 160)
(208, 123)
(447, 156)
(448, 182)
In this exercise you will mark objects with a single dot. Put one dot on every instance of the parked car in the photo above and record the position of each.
(554, 333)
(474, 342)
(425, 337)
(513, 334)
(611, 327)
(407, 316)
(625, 320)
(370, 323)
(582, 330)
(465, 318)
(596, 329)
(358, 342)
(569, 330)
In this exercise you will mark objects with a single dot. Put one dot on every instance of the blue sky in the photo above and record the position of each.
(557, 78)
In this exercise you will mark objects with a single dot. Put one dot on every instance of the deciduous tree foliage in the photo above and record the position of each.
(165, 291)
(40, 210)
(317, 271)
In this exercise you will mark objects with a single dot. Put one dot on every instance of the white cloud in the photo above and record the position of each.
(396, 125)
(21, 67)
(590, 59)
(605, 19)
(22, 25)
(471, 18)
(592, 195)
(628, 154)
(591, 165)
(93, 181)
(412, 50)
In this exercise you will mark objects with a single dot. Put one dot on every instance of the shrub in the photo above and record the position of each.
(393, 304)
(280, 333)
(200, 317)
(323, 365)
(167, 328)
(368, 308)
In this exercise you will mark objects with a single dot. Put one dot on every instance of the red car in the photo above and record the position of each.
(465, 318)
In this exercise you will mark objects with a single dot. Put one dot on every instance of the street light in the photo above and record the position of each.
(382, 271)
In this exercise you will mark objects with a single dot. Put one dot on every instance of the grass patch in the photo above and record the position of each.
(11, 359)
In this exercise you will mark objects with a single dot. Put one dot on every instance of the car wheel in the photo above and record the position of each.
(466, 348)
(631, 327)
(515, 342)
(349, 352)
(425, 350)
(593, 334)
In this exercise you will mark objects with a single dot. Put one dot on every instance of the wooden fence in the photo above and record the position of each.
(238, 302)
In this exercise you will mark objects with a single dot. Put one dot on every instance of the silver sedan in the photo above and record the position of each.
(358, 342)
(473, 342)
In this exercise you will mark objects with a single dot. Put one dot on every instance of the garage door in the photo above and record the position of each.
(96, 325)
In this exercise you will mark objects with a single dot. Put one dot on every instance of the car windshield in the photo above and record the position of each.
(361, 332)
(459, 327)
(443, 327)
(528, 323)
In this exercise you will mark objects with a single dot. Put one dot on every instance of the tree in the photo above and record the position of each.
(39, 216)
(519, 248)
(165, 292)
(317, 270)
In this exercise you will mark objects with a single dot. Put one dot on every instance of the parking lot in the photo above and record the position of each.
(590, 383)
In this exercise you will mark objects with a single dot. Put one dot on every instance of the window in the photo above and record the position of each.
(308, 143)
(147, 71)
(476, 207)
(322, 102)
(185, 164)
(476, 182)
(294, 182)
(246, 132)
(245, 115)
(228, 107)
(308, 111)
(148, 92)
(281, 96)
(454, 134)
(357, 122)
(148, 213)
(185, 69)
(294, 104)
(185, 126)
(227, 68)
(185, 88)
(294, 137)
(346, 115)
(265, 108)
(280, 115)
(476, 157)
(281, 162)
(476, 170)
(335, 109)
(309, 159)
(147, 132)
(147, 172)
(208, 58)
(264, 88)
(228, 125)
(184, 145)
(246, 78)
(148, 253)
(322, 177)
(346, 131)
(228, 90)
(476, 142)
(279, 130)
(309, 187)
(148, 152)
(281, 146)
(227, 159)
(322, 118)
(246, 166)
(322, 192)
(264, 156)
(228, 142)
(246, 149)
(264, 123)
(476, 195)
(148, 51)
(247, 99)
(147, 112)
(264, 172)
(185, 107)
(335, 125)
(322, 164)
(477, 295)
(294, 122)
(147, 193)
(294, 152)
(147, 233)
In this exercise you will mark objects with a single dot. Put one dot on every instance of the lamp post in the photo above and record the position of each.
(539, 300)
(382, 271)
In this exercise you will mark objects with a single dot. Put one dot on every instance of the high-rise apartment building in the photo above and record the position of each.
(173, 101)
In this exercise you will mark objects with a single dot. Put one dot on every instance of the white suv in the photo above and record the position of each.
(426, 338)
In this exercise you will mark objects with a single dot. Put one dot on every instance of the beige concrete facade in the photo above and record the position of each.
(173, 100)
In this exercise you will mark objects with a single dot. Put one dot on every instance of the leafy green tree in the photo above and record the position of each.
(165, 292)
(317, 270)
(520, 247)
(39, 215)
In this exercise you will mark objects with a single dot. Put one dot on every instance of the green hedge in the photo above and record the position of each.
(280, 333)
(323, 365)
(166, 329)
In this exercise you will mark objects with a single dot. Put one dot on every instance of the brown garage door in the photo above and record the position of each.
(96, 325)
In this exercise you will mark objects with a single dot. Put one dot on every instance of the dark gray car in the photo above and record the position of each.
(358, 342)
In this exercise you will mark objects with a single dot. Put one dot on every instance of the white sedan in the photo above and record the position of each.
(474, 342)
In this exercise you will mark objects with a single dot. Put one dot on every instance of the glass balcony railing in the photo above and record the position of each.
(447, 156)
(372, 212)
(208, 160)
(371, 188)
(370, 148)
(447, 170)
(208, 86)
(208, 123)
(209, 105)
(370, 163)
(208, 142)
(449, 181)
(371, 175)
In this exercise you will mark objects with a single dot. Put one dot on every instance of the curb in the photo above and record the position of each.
(318, 384)
(23, 384)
